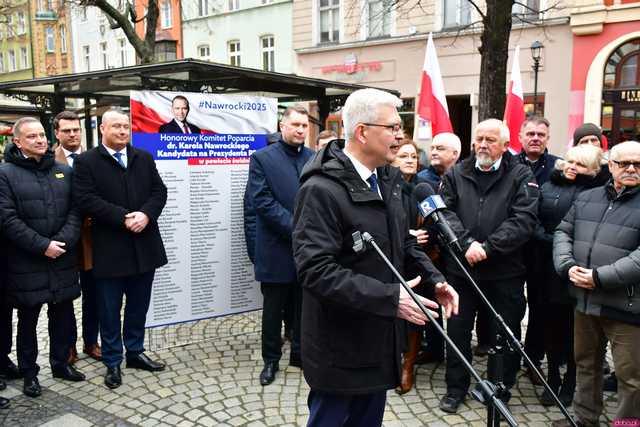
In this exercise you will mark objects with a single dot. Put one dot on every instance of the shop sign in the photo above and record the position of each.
(621, 96)
(351, 66)
(632, 95)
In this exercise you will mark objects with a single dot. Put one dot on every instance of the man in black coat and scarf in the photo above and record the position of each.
(352, 302)
(119, 187)
(41, 229)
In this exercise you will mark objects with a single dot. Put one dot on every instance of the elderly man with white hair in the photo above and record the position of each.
(492, 203)
(351, 302)
(597, 247)
(443, 155)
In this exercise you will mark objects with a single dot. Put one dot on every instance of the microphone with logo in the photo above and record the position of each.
(430, 206)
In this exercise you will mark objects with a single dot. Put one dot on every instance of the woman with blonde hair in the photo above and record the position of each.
(579, 171)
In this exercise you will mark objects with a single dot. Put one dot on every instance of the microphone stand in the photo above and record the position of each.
(488, 391)
(495, 363)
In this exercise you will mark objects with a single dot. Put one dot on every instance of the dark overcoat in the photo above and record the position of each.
(107, 192)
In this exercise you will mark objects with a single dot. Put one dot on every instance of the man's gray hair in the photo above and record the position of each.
(362, 107)
(113, 111)
(499, 124)
(17, 127)
(449, 139)
(627, 146)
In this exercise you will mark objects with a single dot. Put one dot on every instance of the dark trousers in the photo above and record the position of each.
(507, 297)
(90, 323)
(27, 341)
(6, 332)
(275, 296)
(137, 289)
(483, 326)
(534, 338)
(435, 342)
(558, 343)
(331, 410)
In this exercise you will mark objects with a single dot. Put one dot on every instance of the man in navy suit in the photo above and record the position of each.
(180, 109)
(274, 174)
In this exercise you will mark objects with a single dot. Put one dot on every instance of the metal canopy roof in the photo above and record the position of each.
(188, 75)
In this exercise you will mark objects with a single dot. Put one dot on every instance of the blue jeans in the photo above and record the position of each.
(110, 291)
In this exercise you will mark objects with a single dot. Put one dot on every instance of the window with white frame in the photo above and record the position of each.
(204, 51)
(9, 25)
(12, 60)
(122, 45)
(1, 62)
(51, 41)
(165, 14)
(526, 9)
(24, 57)
(86, 54)
(63, 39)
(41, 5)
(233, 49)
(22, 24)
(379, 12)
(234, 5)
(329, 20)
(267, 47)
(49, 4)
(203, 7)
(105, 56)
(83, 13)
(457, 13)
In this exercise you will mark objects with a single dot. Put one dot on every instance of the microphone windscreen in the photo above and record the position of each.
(423, 190)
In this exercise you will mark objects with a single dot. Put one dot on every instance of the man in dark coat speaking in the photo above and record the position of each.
(119, 187)
(351, 302)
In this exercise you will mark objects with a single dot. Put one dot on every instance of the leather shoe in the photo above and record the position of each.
(31, 387)
(481, 350)
(4, 403)
(113, 377)
(10, 371)
(69, 373)
(73, 355)
(142, 361)
(268, 373)
(3, 385)
(93, 351)
(428, 357)
(450, 403)
(535, 380)
(295, 360)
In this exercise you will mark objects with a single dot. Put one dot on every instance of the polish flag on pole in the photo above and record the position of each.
(514, 108)
(432, 104)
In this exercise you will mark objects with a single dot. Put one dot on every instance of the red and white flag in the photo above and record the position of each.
(514, 107)
(432, 104)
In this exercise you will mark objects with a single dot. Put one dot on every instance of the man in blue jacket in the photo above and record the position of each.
(274, 174)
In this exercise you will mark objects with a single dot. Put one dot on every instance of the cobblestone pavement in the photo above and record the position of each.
(214, 382)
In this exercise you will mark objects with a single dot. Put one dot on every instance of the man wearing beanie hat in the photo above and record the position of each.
(589, 133)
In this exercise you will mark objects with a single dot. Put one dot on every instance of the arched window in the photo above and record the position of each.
(623, 67)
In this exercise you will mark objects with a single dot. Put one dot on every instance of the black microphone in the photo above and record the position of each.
(429, 206)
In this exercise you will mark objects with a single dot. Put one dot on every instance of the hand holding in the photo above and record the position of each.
(475, 253)
(55, 249)
(421, 235)
(136, 221)
(448, 298)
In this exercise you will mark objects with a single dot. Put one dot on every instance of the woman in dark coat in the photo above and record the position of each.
(407, 161)
(580, 170)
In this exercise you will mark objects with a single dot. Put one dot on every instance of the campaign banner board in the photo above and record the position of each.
(202, 144)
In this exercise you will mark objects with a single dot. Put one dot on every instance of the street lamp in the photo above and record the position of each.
(536, 53)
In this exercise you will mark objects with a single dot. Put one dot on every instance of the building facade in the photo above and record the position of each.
(16, 62)
(383, 44)
(168, 29)
(96, 46)
(247, 33)
(50, 38)
(605, 80)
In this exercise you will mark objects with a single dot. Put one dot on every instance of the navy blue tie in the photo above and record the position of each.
(373, 181)
(118, 157)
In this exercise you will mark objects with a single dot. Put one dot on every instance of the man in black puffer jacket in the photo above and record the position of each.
(41, 229)
(597, 247)
(492, 203)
